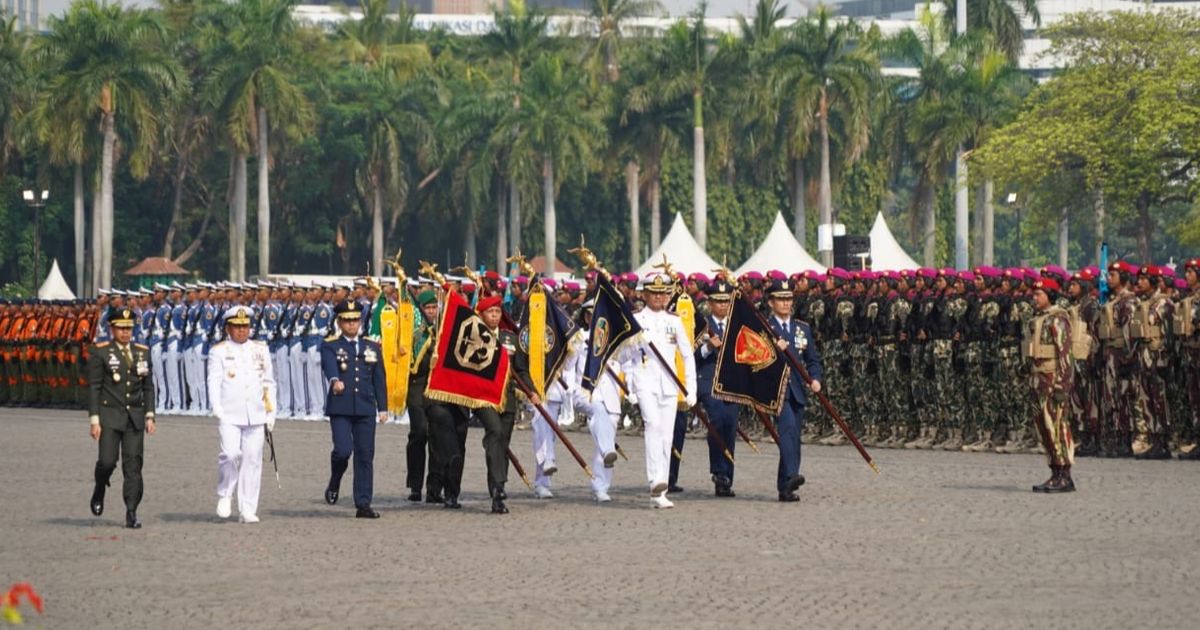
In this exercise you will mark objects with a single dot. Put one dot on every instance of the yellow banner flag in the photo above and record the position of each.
(536, 334)
(686, 311)
(396, 326)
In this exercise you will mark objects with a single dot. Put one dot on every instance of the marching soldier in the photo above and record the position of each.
(120, 412)
(241, 381)
(723, 415)
(796, 338)
(1049, 346)
(653, 386)
(603, 408)
(498, 425)
(357, 399)
(422, 445)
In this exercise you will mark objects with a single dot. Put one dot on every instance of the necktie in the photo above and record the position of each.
(128, 357)
(720, 330)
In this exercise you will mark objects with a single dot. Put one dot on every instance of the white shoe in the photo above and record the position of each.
(224, 506)
(602, 497)
(661, 502)
(542, 492)
(248, 518)
(549, 469)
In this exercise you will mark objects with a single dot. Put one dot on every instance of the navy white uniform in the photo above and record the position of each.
(295, 359)
(241, 381)
(173, 355)
(160, 323)
(603, 409)
(314, 377)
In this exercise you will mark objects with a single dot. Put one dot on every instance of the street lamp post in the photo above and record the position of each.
(37, 202)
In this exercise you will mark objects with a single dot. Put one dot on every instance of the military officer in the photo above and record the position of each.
(498, 424)
(723, 415)
(652, 387)
(242, 385)
(356, 399)
(314, 377)
(1049, 345)
(121, 411)
(796, 338)
(422, 440)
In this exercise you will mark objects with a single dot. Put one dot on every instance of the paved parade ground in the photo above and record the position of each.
(939, 540)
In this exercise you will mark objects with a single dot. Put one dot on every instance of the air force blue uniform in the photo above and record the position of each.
(358, 365)
(722, 414)
(790, 421)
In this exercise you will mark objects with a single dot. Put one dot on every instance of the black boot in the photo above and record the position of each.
(723, 486)
(498, 497)
(97, 502)
(131, 520)
(1158, 449)
(415, 495)
(452, 502)
(1062, 482)
(1044, 486)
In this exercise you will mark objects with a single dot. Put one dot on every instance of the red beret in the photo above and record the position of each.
(488, 302)
(1047, 284)
(1121, 265)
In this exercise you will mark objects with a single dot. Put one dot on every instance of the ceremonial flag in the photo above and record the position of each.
(396, 338)
(1104, 290)
(750, 370)
(470, 367)
(547, 352)
(686, 311)
(612, 325)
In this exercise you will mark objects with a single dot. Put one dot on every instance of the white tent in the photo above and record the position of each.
(682, 251)
(886, 253)
(780, 250)
(55, 287)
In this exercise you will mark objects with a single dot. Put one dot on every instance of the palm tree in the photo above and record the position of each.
(389, 57)
(825, 59)
(999, 18)
(252, 45)
(690, 66)
(557, 128)
(609, 16)
(108, 63)
(518, 37)
(13, 78)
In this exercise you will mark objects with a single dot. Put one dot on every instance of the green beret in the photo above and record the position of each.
(426, 297)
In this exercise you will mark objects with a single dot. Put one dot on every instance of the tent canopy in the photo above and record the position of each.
(780, 250)
(55, 286)
(683, 252)
(886, 252)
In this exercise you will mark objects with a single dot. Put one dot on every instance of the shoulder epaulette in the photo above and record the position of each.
(103, 344)
(140, 345)
(218, 344)
(332, 337)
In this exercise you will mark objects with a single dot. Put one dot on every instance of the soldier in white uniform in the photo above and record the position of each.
(603, 408)
(651, 384)
(241, 385)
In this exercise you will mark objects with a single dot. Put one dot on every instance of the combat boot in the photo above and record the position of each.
(954, 440)
(925, 441)
(1192, 455)
(1054, 476)
(1016, 437)
(1157, 450)
(871, 436)
(1124, 445)
(836, 439)
(1061, 482)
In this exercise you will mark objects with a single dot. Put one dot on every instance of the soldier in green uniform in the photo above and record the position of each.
(1048, 345)
(121, 411)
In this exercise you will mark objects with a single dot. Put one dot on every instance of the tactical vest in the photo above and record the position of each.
(1183, 324)
(1143, 326)
(1038, 346)
(1108, 330)
(1081, 340)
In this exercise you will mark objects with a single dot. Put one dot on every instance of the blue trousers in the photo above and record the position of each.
(354, 435)
(790, 423)
(724, 417)
(677, 443)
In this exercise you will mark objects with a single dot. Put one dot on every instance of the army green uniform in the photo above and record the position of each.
(121, 400)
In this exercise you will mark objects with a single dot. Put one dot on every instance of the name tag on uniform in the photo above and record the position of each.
(369, 355)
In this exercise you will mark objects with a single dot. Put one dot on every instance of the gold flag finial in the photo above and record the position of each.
(469, 273)
(523, 266)
(429, 270)
(589, 259)
(666, 267)
(723, 271)
(397, 268)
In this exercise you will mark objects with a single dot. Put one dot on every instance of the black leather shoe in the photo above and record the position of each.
(788, 497)
(415, 496)
(131, 520)
(725, 491)
(452, 502)
(793, 483)
(434, 497)
(674, 488)
(501, 494)
(331, 496)
(97, 502)
(366, 512)
(1191, 455)
(498, 506)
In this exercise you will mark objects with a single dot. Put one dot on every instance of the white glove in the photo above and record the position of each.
(690, 400)
(632, 398)
(270, 423)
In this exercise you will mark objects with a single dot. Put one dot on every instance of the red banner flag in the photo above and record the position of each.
(470, 367)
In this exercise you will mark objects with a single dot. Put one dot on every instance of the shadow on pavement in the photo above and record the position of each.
(180, 517)
(80, 522)
(988, 488)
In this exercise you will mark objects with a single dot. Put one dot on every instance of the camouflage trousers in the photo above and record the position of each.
(835, 362)
(1119, 395)
(981, 422)
(1153, 416)
(1190, 420)
(1085, 400)
(1008, 381)
(862, 414)
(921, 385)
(896, 413)
(1054, 426)
(948, 399)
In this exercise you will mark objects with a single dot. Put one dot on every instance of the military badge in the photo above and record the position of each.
(369, 356)
(143, 368)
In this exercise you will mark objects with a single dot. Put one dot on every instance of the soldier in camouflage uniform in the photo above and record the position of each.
(1119, 391)
(891, 329)
(1049, 345)
(860, 413)
(1085, 395)
(982, 358)
(1187, 331)
(1151, 319)
(920, 366)
(840, 313)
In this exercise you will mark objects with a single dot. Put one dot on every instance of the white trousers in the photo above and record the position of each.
(296, 372)
(194, 380)
(173, 362)
(239, 464)
(658, 412)
(543, 442)
(158, 366)
(283, 381)
(603, 427)
(316, 383)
